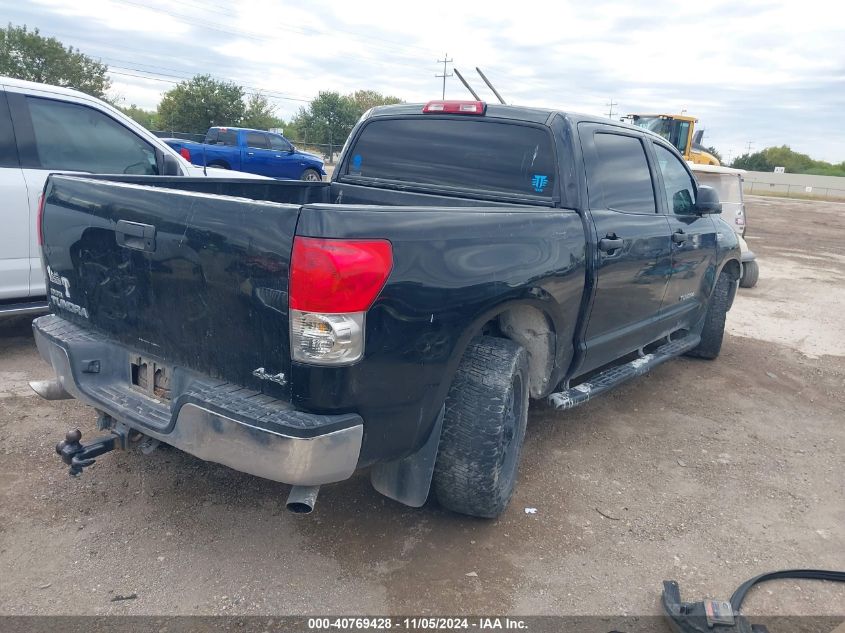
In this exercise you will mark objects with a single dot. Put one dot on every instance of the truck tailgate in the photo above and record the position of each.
(194, 280)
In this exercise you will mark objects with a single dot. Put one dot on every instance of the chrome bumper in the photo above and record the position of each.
(203, 430)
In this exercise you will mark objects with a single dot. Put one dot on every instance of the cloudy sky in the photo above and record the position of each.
(769, 73)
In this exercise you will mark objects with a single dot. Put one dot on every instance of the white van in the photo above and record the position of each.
(45, 129)
(728, 183)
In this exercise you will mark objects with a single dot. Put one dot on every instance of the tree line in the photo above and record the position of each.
(193, 105)
(793, 162)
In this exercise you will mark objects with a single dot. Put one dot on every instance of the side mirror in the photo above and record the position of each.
(292, 148)
(707, 201)
(170, 166)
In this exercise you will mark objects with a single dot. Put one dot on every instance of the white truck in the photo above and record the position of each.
(46, 129)
(728, 183)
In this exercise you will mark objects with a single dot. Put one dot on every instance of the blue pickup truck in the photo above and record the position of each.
(252, 151)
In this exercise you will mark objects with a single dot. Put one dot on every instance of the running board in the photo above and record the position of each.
(609, 378)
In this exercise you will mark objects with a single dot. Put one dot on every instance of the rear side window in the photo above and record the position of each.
(211, 137)
(257, 140)
(618, 177)
(460, 153)
(8, 150)
(74, 137)
(227, 137)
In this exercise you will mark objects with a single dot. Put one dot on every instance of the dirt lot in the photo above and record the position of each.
(706, 472)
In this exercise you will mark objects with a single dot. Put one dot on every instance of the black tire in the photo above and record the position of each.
(750, 275)
(311, 175)
(483, 429)
(714, 320)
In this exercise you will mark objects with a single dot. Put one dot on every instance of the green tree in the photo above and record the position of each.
(366, 99)
(201, 102)
(327, 120)
(260, 114)
(29, 55)
(147, 118)
(753, 162)
(715, 152)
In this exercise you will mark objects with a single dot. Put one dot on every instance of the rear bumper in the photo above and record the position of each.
(211, 419)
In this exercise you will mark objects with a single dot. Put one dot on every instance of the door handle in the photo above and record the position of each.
(250, 153)
(277, 155)
(610, 243)
(134, 235)
(679, 237)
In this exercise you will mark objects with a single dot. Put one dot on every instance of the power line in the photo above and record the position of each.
(610, 105)
(444, 61)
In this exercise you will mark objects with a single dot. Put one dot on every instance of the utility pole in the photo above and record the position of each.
(444, 61)
(610, 105)
(748, 147)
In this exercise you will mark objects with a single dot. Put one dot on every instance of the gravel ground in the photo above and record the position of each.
(706, 472)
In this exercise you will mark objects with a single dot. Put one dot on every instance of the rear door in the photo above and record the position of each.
(15, 214)
(693, 236)
(58, 135)
(633, 254)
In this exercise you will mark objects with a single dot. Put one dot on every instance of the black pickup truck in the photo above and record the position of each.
(463, 259)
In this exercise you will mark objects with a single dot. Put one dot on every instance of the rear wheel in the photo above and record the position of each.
(483, 429)
(714, 322)
(311, 175)
(750, 275)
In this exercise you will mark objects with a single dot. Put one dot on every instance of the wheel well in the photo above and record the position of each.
(219, 163)
(732, 268)
(531, 328)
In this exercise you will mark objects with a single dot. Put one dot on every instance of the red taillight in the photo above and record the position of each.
(334, 276)
(455, 107)
(40, 221)
(184, 153)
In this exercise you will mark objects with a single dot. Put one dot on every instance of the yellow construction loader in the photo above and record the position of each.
(678, 129)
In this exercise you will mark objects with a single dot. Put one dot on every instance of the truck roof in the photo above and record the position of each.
(513, 112)
(34, 85)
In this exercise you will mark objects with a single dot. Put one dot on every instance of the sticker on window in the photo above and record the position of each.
(539, 182)
(355, 170)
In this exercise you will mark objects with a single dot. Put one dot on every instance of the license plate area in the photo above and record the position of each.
(150, 377)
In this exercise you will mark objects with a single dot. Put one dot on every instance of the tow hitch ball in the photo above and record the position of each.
(78, 455)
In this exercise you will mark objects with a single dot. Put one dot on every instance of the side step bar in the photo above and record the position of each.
(609, 378)
(27, 307)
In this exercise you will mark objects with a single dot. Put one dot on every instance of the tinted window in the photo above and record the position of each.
(74, 137)
(8, 150)
(618, 177)
(211, 136)
(257, 140)
(680, 190)
(463, 153)
(227, 137)
(278, 143)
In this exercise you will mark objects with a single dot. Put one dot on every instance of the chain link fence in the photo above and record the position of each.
(785, 190)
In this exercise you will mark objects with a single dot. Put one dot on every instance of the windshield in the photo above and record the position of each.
(673, 130)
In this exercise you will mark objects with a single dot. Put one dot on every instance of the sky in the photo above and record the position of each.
(760, 72)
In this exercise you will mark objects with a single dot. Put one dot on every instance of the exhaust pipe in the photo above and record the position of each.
(302, 499)
(50, 389)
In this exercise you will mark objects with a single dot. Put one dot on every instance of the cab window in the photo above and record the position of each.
(618, 177)
(678, 185)
(279, 144)
(257, 140)
(74, 137)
